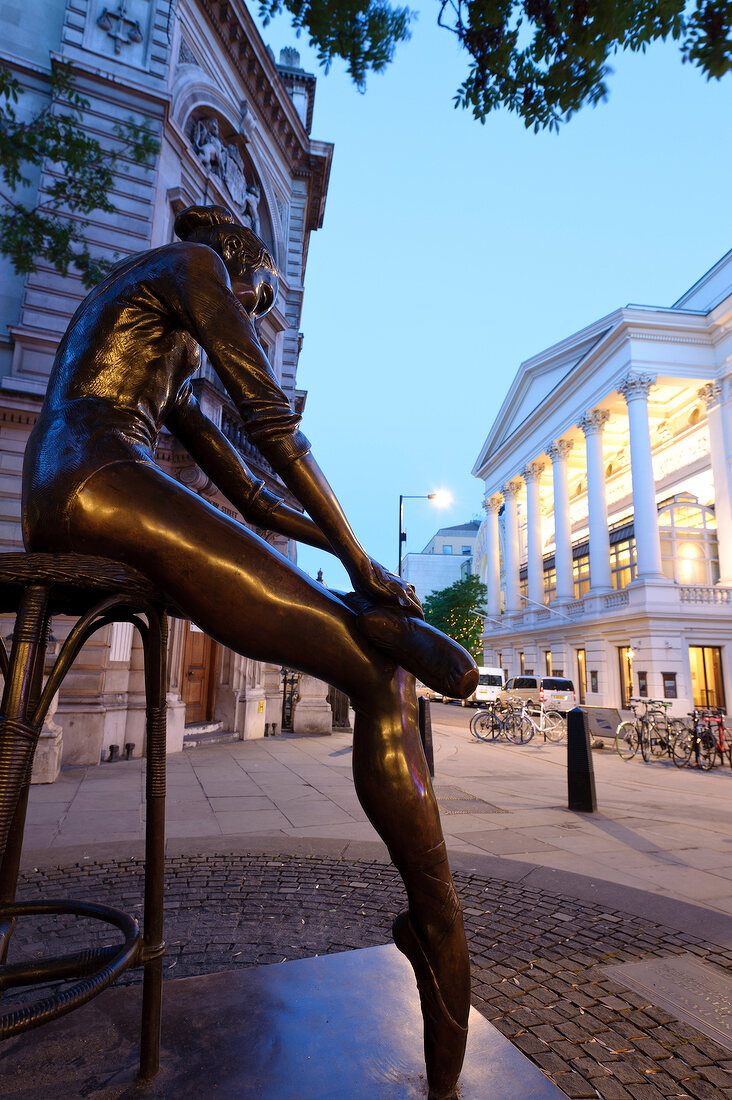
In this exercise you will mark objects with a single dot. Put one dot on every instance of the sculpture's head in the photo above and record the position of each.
(254, 278)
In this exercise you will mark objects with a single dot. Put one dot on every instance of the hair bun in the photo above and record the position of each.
(194, 218)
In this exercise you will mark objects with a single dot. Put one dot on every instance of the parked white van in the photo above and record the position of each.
(490, 683)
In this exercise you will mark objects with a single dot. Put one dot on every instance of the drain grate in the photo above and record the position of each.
(694, 991)
(453, 800)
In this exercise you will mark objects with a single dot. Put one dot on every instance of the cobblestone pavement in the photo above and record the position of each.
(537, 956)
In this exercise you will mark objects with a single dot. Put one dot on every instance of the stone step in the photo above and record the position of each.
(207, 733)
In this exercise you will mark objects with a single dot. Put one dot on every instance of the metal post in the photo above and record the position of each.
(402, 536)
(580, 771)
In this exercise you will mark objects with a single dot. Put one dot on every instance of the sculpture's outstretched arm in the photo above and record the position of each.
(306, 480)
(222, 463)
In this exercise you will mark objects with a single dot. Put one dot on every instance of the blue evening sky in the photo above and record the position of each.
(451, 251)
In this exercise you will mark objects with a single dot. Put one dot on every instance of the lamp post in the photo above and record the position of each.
(443, 498)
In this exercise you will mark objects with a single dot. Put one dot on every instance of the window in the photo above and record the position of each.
(466, 549)
(643, 685)
(447, 548)
(669, 685)
(622, 563)
(689, 551)
(548, 662)
(707, 683)
(581, 675)
(550, 584)
(521, 662)
(581, 574)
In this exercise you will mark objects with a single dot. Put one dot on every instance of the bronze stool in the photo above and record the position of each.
(96, 591)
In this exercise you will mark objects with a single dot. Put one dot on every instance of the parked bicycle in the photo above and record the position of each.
(653, 731)
(705, 742)
(517, 722)
(489, 723)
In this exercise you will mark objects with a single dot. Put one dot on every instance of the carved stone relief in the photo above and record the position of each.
(224, 160)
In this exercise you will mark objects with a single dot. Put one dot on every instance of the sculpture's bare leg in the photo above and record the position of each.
(251, 599)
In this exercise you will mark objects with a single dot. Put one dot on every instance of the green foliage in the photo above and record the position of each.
(545, 60)
(51, 228)
(364, 33)
(452, 610)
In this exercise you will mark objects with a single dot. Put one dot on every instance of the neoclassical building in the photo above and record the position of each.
(234, 128)
(606, 545)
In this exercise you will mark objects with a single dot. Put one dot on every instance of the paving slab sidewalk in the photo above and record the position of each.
(658, 828)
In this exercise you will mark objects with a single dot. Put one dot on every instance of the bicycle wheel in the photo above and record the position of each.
(626, 740)
(555, 728)
(658, 739)
(481, 726)
(521, 730)
(707, 750)
(682, 746)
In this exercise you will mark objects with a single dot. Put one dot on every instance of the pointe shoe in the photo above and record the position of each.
(444, 1037)
(438, 661)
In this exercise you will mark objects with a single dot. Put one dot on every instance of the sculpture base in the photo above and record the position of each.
(337, 1026)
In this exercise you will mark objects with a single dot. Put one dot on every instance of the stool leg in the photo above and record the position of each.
(153, 944)
(18, 738)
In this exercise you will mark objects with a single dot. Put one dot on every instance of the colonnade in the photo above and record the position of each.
(635, 389)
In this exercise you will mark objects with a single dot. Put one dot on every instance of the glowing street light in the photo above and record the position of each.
(441, 498)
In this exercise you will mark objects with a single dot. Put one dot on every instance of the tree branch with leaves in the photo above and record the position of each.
(51, 227)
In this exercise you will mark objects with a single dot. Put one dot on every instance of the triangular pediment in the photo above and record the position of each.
(536, 379)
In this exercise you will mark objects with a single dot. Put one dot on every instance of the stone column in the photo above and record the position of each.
(492, 506)
(312, 712)
(535, 564)
(513, 596)
(635, 389)
(592, 425)
(558, 453)
(711, 395)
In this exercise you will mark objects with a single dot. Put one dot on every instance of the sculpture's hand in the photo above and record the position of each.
(383, 587)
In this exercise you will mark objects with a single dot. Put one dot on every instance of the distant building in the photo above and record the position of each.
(607, 542)
(446, 558)
(234, 127)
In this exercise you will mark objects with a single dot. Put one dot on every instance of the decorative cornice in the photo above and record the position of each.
(533, 471)
(635, 386)
(559, 449)
(711, 394)
(492, 505)
(594, 421)
(512, 489)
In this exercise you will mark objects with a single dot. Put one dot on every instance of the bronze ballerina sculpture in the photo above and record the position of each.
(91, 485)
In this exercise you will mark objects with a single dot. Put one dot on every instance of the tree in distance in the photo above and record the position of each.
(453, 610)
(51, 227)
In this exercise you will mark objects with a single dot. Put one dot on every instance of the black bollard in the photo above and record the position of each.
(113, 753)
(274, 730)
(129, 749)
(580, 772)
(425, 732)
(266, 729)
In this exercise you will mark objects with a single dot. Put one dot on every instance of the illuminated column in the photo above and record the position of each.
(558, 453)
(635, 389)
(535, 565)
(492, 506)
(711, 395)
(513, 596)
(592, 425)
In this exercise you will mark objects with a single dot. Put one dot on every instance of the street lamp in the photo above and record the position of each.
(441, 498)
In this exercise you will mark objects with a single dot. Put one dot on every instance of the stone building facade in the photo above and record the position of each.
(234, 128)
(606, 546)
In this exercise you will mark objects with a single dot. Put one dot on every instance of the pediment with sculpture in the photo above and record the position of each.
(222, 158)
